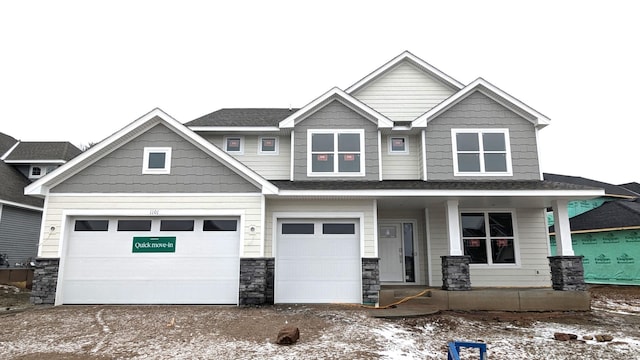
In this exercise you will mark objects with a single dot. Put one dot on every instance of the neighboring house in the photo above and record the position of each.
(406, 177)
(606, 231)
(633, 187)
(20, 215)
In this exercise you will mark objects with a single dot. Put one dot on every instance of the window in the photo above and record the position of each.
(38, 171)
(134, 225)
(329, 228)
(91, 225)
(157, 160)
(298, 228)
(398, 145)
(481, 152)
(492, 246)
(233, 144)
(335, 153)
(220, 225)
(268, 146)
(176, 225)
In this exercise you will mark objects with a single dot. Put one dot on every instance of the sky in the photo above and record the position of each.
(81, 70)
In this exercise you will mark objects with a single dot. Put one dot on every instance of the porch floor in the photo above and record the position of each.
(477, 299)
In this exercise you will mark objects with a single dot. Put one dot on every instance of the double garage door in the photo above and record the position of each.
(152, 261)
(318, 261)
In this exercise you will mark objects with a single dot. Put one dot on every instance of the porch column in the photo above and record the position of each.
(455, 266)
(567, 271)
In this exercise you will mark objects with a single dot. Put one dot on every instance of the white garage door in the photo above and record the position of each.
(318, 261)
(152, 261)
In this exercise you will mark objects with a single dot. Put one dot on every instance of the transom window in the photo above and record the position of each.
(481, 152)
(268, 145)
(156, 160)
(488, 237)
(336, 152)
(234, 144)
(398, 145)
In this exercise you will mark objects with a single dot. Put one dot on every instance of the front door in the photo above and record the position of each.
(396, 250)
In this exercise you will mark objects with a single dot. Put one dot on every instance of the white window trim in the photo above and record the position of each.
(335, 133)
(454, 148)
(516, 242)
(167, 160)
(396, 152)
(239, 152)
(262, 152)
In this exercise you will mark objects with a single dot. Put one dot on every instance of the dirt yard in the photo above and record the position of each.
(326, 332)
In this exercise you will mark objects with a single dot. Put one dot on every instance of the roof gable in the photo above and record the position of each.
(137, 127)
(336, 94)
(406, 56)
(493, 92)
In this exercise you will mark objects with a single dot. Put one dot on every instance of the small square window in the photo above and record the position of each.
(398, 145)
(233, 144)
(268, 145)
(157, 160)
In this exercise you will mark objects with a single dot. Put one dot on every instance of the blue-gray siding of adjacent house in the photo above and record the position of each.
(19, 233)
(192, 170)
(479, 111)
(336, 116)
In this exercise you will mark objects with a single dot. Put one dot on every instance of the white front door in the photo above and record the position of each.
(390, 249)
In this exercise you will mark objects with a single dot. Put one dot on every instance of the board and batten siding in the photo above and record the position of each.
(270, 166)
(336, 116)
(533, 269)
(250, 204)
(192, 170)
(404, 93)
(19, 233)
(401, 166)
(330, 207)
(478, 111)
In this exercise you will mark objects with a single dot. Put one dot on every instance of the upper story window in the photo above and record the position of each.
(335, 153)
(398, 145)
(38, 171)
(481, 152)
(234, 144)
(268, 145)
(488, 237)
(156, 160)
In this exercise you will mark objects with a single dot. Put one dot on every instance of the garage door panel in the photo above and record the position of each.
(317, 269)
(322, 292)
(318, 246)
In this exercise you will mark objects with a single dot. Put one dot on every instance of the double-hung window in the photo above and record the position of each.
(481, 152)
(488, 237)
(335, 152)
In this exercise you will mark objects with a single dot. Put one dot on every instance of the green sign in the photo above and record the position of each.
(154, 244)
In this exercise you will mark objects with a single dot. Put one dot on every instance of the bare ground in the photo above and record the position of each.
(326, 332)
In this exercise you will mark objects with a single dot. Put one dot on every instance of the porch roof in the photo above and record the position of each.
(429, 185)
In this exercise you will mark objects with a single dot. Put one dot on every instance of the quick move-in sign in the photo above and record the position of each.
(145, 244)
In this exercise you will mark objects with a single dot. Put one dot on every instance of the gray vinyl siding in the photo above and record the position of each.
(192, 170)
(19, 233)
(336, 116)
(270, 166)
(480, 111)
(404, 93)
(401, 166)
(531, 243)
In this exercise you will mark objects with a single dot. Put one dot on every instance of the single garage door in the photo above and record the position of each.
(152, 261)
(318, 261)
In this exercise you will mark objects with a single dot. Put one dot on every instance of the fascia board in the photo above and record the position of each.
(494, 93)
(234, 128)
(561, 194)
(406, 55)
(15, 204)
(348, 100)
(35, 161)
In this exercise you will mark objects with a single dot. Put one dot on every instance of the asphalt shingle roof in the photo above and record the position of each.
(6, 142)
(612, 214)
(13, 184)
(243, 117)
(426, 185)
(44, 150)
(609, 189)
(632, 186)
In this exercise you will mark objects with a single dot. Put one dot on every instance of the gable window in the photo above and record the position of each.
(268, 145)
(156, 160)
(398, 145)
(335, 153)
(37, 171)
(481, 152)
(234, 144)
(488, 237)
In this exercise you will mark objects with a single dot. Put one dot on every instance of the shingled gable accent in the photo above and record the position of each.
(156, 116)
(539, 120)
(406, 56)
(344, 98)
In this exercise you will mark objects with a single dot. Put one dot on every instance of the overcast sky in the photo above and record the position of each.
(81, 70)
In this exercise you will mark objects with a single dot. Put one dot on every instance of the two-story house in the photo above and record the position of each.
(406, 177)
